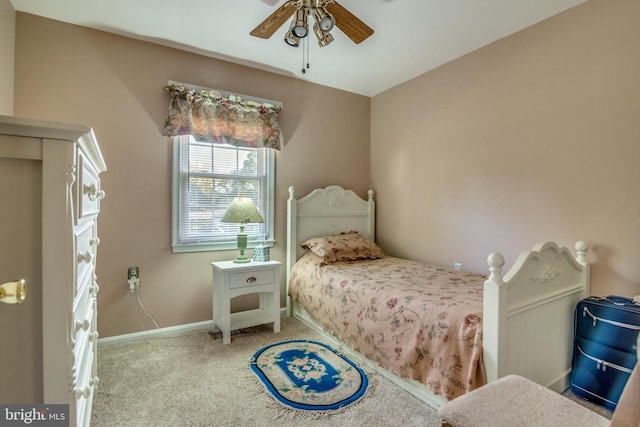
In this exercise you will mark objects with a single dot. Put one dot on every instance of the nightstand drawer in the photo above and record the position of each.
(251, 278)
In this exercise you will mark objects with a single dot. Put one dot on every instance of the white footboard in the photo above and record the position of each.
(528, 314)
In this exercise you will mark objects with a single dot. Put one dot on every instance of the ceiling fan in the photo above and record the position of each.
(326, 14)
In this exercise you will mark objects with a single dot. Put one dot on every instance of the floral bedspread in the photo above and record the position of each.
(419, 321)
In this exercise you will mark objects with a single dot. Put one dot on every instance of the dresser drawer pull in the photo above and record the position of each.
(86, 257)
(251, 279)
(83, 392)
(91, 191)
(93, 290)
(93, 336)
(95, 241)
(84, 325)
(86, 391)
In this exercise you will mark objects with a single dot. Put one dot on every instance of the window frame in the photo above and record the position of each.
(230, 243)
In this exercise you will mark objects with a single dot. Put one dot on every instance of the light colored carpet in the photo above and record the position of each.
(594, 407)
(193, 380)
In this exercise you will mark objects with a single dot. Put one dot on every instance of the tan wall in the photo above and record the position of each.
(535, 137)
(114, 84)
(7, 50)
(532, 138)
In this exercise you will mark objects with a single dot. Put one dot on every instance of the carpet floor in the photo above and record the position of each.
(195, 380)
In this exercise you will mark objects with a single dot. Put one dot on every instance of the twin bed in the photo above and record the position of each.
(436, 332)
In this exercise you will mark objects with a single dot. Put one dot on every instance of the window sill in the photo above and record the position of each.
(221, 246)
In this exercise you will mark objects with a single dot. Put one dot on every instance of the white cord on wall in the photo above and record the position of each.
(137, 288)
(141, 304)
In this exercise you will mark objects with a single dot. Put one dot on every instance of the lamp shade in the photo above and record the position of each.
(241, 211)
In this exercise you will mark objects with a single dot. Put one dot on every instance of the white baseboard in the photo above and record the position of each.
(159, 333)
(155, 333)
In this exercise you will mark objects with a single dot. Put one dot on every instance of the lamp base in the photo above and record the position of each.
(242, 245)
(241, 259)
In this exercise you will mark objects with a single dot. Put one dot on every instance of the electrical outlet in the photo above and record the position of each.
(457, 265)
(133, 277)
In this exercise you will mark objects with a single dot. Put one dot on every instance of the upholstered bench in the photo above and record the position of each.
(516, 401)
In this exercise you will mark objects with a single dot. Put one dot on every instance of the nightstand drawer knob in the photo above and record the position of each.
(251, 279)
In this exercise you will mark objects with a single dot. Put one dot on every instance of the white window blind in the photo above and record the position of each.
(207, 177)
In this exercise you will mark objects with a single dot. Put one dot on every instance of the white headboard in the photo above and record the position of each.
(326, 211)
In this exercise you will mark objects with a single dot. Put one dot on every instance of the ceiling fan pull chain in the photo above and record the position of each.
(305, 50)
(303, 43)
(307, 47)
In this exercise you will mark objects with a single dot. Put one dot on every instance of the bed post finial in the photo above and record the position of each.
(496, 262)
(292, 192)
(581, 250)
(370, 194)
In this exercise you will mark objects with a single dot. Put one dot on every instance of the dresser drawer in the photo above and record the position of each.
(86, 242)
(85, 379)
(84, 339)
(251, 278)
(89, 192)
(84, 300)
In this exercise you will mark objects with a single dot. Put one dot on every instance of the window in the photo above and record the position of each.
(206, 178)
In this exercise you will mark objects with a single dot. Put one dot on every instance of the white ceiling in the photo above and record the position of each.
(411, 36)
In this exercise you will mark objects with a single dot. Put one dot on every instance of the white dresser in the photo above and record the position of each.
(71, 163)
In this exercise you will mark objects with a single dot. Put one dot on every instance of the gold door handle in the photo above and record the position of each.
(13, 292)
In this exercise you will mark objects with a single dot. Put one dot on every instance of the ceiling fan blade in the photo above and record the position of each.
(353, 27)
(270, 25)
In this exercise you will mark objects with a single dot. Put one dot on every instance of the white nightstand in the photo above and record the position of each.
(234, 279)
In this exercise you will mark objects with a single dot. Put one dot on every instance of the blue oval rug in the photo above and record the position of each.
(309, 375)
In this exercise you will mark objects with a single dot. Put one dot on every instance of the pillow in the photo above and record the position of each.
(343, 247)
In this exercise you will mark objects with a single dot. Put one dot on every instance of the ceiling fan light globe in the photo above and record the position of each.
(324, 19)
(299, 31)
(299, 25)
(291, 40)
(327, 23)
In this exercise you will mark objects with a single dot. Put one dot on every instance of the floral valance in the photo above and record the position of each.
(208, 116)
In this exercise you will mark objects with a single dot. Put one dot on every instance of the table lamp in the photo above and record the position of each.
(242, 211)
